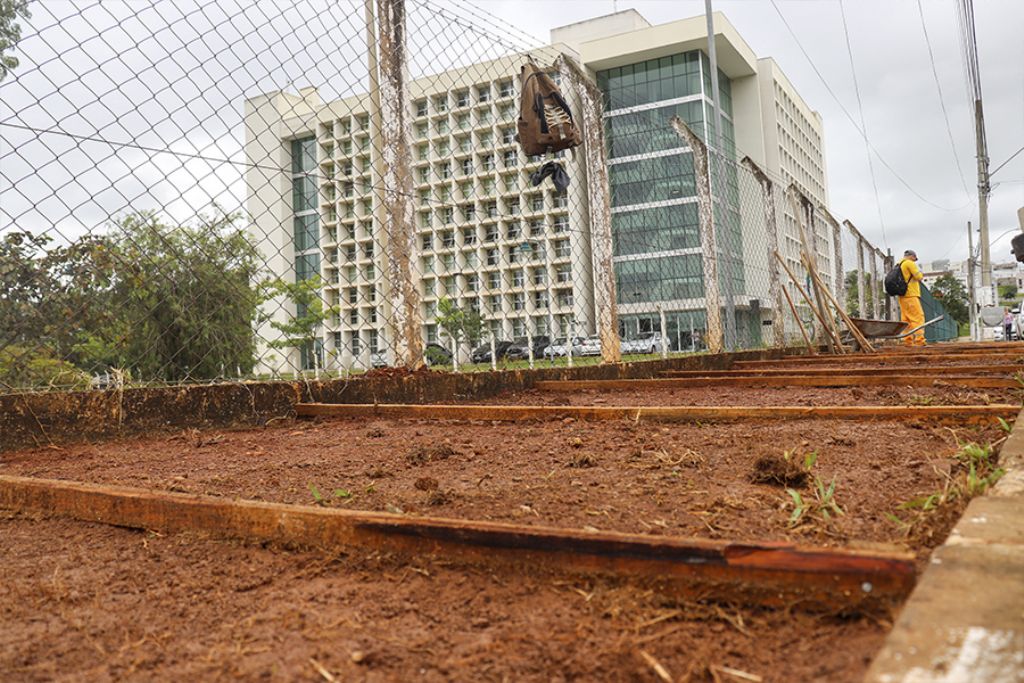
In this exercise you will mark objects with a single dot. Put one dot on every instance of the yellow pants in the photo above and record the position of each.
(911, 312)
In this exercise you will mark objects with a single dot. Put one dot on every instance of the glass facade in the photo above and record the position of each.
(306, 228)
(655, 225)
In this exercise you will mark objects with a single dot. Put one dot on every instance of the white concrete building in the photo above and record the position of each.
(520, 255)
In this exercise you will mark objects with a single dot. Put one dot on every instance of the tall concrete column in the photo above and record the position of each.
(708, 241)
(393, 167)
(599, 200)
(837, 248)
(774, 281)
(862, 243)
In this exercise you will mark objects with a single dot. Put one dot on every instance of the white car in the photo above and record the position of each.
(559, 347)
(648, 343)
(591, 346)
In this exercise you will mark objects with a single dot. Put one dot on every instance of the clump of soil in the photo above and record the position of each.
(439, 497)
(421, 455)
(395, 373)
(776, 470)
(426, 484)
(582, 460)
(375, 433)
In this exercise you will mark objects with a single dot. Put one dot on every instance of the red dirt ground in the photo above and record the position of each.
(680, 479)
(100, 603)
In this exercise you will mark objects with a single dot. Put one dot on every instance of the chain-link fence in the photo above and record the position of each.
(216, 191)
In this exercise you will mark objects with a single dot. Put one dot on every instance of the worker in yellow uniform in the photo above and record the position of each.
(910, 303)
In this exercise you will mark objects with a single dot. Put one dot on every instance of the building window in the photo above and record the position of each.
(518, 278)
(421, 108)
(508, 136)
(518, 301)
(462, 98)
(505, 89)
(514, 230)
(493, 280)
(511, 159)
(469, 236)
(483, 93)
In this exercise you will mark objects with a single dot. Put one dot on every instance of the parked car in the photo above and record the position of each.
(591, 347)
(520, 347)
(561, 346)
(378, 359)
(482, 353)
(648, 343)
(435, 354)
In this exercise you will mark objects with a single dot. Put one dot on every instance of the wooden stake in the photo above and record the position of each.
(799, 322)
(854, 330)
(814, 309)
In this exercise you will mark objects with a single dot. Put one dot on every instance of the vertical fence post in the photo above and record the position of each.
(803, 209)
(393, 161)
(774, 284)
(837, 246)
(862, 309)
(600, 205)
(880, 292)
(708, 242)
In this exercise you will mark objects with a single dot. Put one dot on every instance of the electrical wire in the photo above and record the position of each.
(854, 123)
(942, 100)
(864, 123)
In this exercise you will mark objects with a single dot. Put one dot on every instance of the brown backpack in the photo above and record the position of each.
(545, 120)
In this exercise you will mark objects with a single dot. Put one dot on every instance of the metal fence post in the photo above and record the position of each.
(598, 197)
(837, 247)
(888, 264)
(393, 160)
(774, 282)
(862, 309)
(708, 241)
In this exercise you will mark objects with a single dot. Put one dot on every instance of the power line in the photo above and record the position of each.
(942, 101)
(863, 122)
(854, 123)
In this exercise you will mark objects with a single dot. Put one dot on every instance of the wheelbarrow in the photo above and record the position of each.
(883, 329)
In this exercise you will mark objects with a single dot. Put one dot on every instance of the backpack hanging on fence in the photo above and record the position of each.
(895, 283)
(545, 120)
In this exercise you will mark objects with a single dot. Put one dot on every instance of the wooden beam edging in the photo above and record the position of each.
(1006, 369)
(506, 413)
(791, 380)
(936, 358)
(774, 573)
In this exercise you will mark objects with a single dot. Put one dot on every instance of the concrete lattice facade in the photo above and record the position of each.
(491, 242)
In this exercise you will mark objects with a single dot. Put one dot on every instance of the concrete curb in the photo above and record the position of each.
(964, 622)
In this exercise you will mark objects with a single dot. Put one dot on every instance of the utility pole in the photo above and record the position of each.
(970, 45)
(973, 317)
(729, 323)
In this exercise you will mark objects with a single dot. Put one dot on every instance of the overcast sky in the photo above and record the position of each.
(173, 74)
(902, 114)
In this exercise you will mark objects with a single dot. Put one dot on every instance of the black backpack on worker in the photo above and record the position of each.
(895, 283)
(545, 121)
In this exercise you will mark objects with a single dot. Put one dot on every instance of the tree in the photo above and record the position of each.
(1007, 293)
(853, 294)
(10, 32)
(953, 296)
(458, 324)
(165, 302)
(302, 330)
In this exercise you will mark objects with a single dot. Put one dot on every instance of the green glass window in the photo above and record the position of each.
(652, 180)
(307, 266)
(647, 131)
(651, 81)
(303, 155)
(666, 278)
(307, 232)
(651, 230)
(303, 193)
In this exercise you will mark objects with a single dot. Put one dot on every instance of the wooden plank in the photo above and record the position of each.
(771, 573)
(790, 380)
(962, 414)
(1007, 369)
(880, 358)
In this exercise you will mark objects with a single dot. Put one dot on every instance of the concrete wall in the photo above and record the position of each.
(39, 420)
